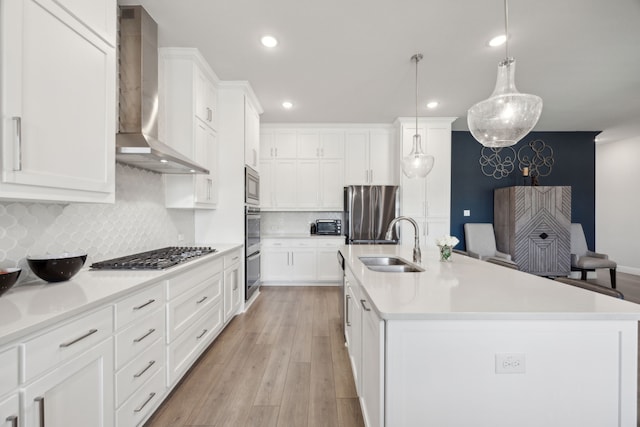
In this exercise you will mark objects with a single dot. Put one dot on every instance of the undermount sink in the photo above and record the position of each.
(389, 264)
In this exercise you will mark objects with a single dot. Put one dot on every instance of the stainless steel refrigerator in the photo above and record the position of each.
(368, 210)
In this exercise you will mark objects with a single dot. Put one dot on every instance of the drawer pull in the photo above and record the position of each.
(202, 300)
(152, 330)
(13, 419)
(141, 407)
(235, 258)
(72, 342)
(146, 368)
(235, 285)
(346, 308)
(40, 401)
(362, 301)
(202, 334)
(151, 301)
(17, 162)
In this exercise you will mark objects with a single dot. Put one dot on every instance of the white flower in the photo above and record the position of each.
(447, 241)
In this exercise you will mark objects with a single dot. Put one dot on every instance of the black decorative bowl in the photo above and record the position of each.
(8, 277)
(57, 268)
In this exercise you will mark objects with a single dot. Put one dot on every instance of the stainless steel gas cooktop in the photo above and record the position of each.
(157, 259)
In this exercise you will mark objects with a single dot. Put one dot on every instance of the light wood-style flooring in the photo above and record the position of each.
(283, 363)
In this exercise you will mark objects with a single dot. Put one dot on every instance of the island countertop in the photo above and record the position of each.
(466, 288)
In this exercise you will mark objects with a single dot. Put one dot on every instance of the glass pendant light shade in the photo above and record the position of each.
(507, 115)
(417, 164)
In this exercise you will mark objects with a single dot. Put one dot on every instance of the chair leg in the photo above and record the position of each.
(583, 274)
(612, 273)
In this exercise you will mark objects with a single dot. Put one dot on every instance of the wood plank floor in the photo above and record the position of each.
(281, 364)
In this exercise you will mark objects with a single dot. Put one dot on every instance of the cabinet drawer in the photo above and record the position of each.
(65, 341)
(9, 409)
(184, 350)
(177, 285)
(139, 370)
(139, 336)
(139, 305)
(184, 310)
(330, 243)
(8, 370)
(139, 406)
(232, 258)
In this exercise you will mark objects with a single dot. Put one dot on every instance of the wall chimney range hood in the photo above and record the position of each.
(137, 142)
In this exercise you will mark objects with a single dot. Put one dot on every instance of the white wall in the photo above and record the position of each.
(618, 200)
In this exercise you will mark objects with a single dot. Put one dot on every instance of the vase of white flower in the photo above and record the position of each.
(446, 244)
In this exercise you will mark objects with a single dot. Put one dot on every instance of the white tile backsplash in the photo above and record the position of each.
(274, 223)
(137, 221)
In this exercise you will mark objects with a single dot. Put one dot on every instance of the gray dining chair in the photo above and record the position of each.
(584, 260)
(480, 241)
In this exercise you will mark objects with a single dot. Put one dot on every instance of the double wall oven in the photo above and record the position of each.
(252, 232)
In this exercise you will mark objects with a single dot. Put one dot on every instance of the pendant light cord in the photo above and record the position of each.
(506, 28)
(417, 57)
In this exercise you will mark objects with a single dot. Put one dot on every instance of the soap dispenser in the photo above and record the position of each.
(313, 228)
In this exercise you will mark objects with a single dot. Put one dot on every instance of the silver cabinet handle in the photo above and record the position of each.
(146, 368)
(40, 401)
(139, 408)
(271, 151)
(346, 307)
(72, 342)
(202, 334)
(13, 419)
(366, 176)
(202, 300)
(276, 151)
(235, 285)
(292, 261)
(235, 258)
(363, 301)
(288, 258)
(322, 152)
(151, 301)
(17, 153)
(152, 330)
(371, 175)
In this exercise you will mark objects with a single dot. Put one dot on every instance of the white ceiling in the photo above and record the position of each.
(348, 61)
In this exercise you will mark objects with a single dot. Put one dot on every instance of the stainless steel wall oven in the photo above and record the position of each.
(252, 251)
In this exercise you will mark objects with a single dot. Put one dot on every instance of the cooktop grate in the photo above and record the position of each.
(157, 259)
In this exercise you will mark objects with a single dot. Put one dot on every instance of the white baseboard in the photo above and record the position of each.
(629, 270)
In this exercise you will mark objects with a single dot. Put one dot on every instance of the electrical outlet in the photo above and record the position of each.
(180, 237)
(510, 363)
(466, 212)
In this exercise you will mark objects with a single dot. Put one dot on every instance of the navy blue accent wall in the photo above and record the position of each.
(574, 165)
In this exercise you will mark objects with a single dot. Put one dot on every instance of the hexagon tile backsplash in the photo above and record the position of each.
(137, 221)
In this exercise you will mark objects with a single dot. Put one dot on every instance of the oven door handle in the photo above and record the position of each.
(253, 256)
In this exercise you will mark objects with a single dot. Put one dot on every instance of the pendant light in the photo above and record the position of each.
(417, 164)
(507, 115)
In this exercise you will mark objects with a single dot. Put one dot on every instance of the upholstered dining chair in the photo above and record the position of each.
(480, 240)
(584, 260)
(590, 286)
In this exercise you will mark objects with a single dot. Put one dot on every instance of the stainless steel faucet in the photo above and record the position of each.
(417, 255)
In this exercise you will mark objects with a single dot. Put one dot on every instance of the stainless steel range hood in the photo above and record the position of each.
(137, 141)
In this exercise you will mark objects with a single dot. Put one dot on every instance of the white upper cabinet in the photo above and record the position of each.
(370, 157)
(58, 100)
(251, 136)
(278, 144)
(322, 144)
(188, 105)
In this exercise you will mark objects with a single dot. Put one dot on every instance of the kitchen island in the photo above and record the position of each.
(471, 343)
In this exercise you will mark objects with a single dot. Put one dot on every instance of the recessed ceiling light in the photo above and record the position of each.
(164, 161)
(287, 104)
(498, 40)
(432, 104)
(269, 41)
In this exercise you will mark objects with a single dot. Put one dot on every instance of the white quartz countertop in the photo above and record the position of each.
(27, 308)
(467, 288)
(300, 236)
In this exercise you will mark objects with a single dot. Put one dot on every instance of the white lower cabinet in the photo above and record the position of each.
(9, 411)
(78, 393)
(139, 406)
(365, 341)
(311, 259)
(328, 268)
(232, 288)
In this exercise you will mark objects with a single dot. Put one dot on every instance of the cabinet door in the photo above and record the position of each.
(284, 184)
(251, 136)
(308, 145)
(332, 145)
(231, 290)
(303, 262)
(9, 411)
(357, 158)
(331, 184)
(58, 129)
(275, 264)
(328, 268)
(284, 144)
(205, 98)
(78, 393)
(372, 387)
(307, 184)
(267, 183)
(354, 339)
(382, 158)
